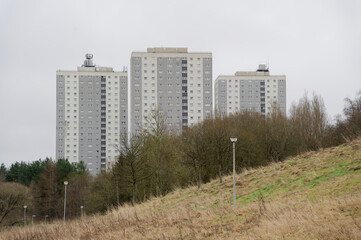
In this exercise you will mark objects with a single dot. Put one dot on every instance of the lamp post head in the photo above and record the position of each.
(46, 216)
(25, 206)
(33, 215)
(81, 207)
(233, 139)
(65, 182)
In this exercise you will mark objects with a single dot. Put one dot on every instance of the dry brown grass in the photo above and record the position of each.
(313, 196)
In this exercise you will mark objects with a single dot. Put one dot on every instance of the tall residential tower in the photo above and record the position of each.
(174, 81)
(252, 91)
(91, 114)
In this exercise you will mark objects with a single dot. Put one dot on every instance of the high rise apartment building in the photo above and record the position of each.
(253, 91)
(173, 81)
(91, 114)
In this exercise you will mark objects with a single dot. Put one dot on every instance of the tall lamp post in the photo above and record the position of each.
(234, 140)
(65, 183)
(32, 219)
(81, 211)
(25, 215)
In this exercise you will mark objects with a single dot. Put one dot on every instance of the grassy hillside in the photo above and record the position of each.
(313, 196)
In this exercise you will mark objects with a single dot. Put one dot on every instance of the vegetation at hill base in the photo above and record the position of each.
(315, 195)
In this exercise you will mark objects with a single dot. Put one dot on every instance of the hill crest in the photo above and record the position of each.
(315, 195)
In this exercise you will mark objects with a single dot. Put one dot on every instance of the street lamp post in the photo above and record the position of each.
(32, 219)
(65, 183)
(46, 217)
(81, 211)
(234, 140)
(25, 215)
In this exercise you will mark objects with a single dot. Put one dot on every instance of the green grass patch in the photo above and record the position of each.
(291, 163)
(329, 173)
(266, 192)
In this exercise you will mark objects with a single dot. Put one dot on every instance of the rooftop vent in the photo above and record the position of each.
(88, 60)
(262, 68)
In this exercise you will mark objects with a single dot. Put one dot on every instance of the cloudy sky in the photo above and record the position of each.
(316, 44)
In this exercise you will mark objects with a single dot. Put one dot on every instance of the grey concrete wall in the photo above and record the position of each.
(207, 87)
(282, 95)
(90, 122)
(263, 97)
(123, 103)
(185, 89)
(135, 91)
(250, 95)
(60, 116)
(222, 97)
(169, 85)
(103, 122)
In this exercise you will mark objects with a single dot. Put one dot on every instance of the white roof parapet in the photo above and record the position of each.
(167, 50)
(251, 74)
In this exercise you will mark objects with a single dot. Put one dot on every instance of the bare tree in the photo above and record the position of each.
(309, 123)
(276, 134)
(131, 165)
(2, 172)
(155, 124)
(217, 134)
(160, 153)
(196, 150)
(12, 197)
(352, 111)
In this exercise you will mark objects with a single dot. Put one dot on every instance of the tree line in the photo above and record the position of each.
(159, 159)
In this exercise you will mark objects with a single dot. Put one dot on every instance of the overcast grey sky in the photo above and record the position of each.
(316, 44)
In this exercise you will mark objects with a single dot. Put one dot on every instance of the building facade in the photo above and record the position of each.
(252, 91)
(91, 114)
(172, 81)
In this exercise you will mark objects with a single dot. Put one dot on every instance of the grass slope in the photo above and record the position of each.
(313, 196)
